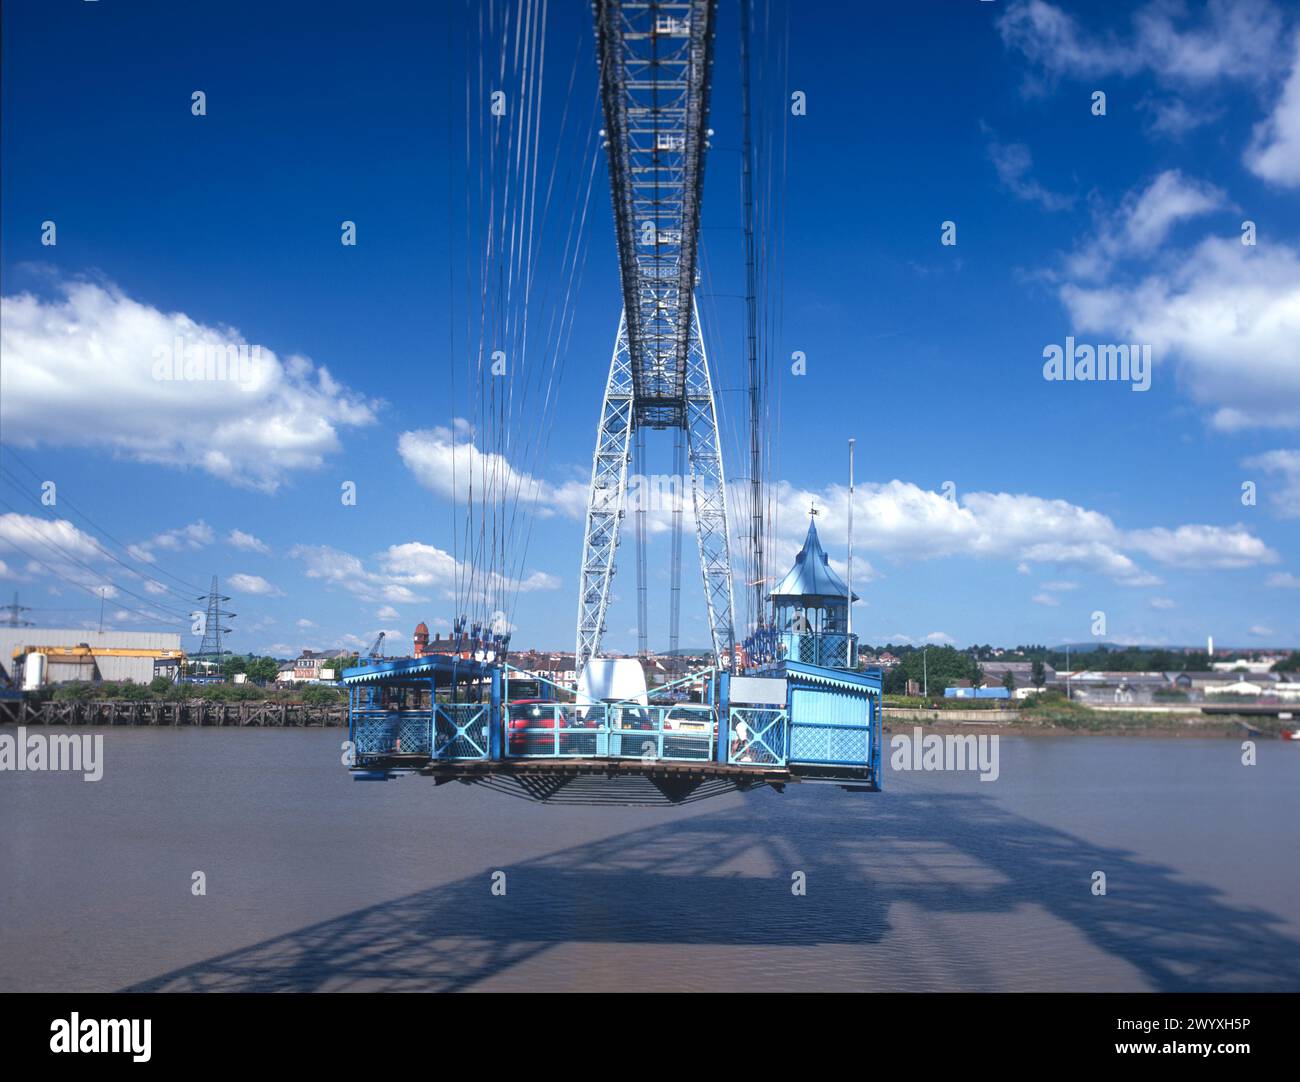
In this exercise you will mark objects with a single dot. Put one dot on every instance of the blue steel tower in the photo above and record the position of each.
(655, 63)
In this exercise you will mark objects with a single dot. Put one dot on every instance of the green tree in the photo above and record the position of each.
(321, 697)
(76, 691)
(233, 665)
(1009, 681)
(1039, 673)
(940, 666)
(263, 669)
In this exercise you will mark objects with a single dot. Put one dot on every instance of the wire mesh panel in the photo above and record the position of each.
(831, 650)
(830, 744)
(393, 732)
(461, 730)
(757, 735)
(683, 732)
(537, 730)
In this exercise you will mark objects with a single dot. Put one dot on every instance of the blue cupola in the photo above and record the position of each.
(810, 609)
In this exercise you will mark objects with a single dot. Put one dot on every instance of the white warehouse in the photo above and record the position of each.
(142, 651)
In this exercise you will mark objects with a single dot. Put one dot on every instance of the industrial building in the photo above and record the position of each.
(70, 654)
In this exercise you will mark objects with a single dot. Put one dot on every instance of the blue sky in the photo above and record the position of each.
(1067, 498)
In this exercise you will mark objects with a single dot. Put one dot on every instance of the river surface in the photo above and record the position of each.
(942, 882)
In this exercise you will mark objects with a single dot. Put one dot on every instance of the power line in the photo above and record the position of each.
(21, 522)
(189, 586)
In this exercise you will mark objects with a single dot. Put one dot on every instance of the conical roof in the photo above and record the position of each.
(812, 575)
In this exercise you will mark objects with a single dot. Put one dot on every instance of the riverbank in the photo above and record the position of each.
(1061, 719)
(1207, 728)
(1084, 721)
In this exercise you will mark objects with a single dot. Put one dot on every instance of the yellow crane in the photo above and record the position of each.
(85, 650)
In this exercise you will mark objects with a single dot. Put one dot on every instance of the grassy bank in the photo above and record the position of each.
(1052, 713)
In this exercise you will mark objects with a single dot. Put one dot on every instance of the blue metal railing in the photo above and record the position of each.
(452, 731)
(616, 730)
(831, 650)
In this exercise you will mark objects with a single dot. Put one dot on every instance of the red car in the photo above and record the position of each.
(526, 720)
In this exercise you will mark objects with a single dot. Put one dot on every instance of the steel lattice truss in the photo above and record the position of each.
(606, 506)
(655, 60)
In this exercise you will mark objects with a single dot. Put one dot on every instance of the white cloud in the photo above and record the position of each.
(940, 638)
(1046, 599)
(448, 462)
(246, 541)
(412, 564)
(57, 548)
(1284, 496)
(193, 536)
(1274, 152)
(1143, 221)
(37, 535)
(253, 584)
(185, 538)
(1232, 39)
(1227, 315)
(1260, 631)
(1223, 548)
(1283, 580)
(1013, 164)
(900, 520)
(304, 623)
(387, 612)
(79, 372)
(1173, 117)
(1163, 603)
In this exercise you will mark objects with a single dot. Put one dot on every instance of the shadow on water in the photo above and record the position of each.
(723, 879)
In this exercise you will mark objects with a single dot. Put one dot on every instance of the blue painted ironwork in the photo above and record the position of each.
(758, 735)
(834, 715)
(392, 732)
(655, 71)
(810, 614)
(679, 733)
(435, 713)
(830, 650)
(462, 730)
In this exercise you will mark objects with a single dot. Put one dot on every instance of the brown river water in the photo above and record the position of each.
(316, 882)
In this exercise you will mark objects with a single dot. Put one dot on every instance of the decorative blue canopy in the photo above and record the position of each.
(811, 580)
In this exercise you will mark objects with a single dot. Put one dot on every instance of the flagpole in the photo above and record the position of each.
(850, 618)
